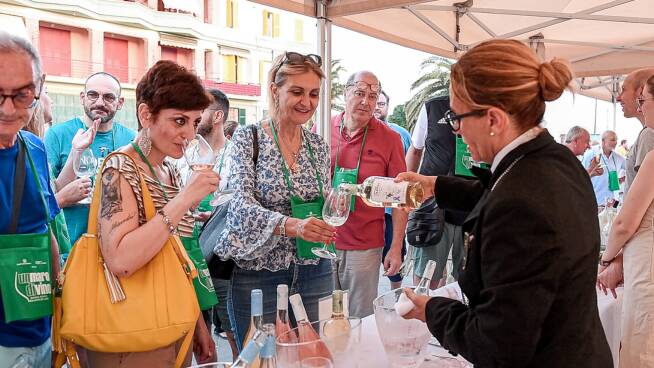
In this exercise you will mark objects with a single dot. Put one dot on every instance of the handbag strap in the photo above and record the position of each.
(148, 205)
(19, 186)
(183, 349)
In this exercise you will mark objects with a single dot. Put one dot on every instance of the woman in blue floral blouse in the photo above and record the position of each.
(292, 164)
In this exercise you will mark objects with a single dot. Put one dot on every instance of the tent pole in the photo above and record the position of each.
(324, 44)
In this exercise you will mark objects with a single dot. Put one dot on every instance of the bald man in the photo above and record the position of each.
(96, 129)
(363, 146)
(607, 184)
(632, 88)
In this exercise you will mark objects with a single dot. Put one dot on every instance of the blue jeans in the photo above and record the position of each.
(38, 356)
(388, 240)
(311, 282)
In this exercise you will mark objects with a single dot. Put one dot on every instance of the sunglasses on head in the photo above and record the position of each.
(295, 58)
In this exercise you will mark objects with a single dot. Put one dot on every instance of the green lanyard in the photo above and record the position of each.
(615, 166)
(46, 208)
(154, 174)
(338, 147)
(287, 178)
(222, 157)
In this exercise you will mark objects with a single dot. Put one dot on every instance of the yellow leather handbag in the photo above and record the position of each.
(156, 306)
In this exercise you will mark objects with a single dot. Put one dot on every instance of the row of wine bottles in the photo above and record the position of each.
(377, 191)
(260, 338)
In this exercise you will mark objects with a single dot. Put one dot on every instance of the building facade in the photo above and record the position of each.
(229, 44)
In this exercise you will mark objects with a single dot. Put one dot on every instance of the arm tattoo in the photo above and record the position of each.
(117, 224)
(111, 198)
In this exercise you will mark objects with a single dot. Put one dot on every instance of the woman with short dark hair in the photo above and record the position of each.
(170, 101)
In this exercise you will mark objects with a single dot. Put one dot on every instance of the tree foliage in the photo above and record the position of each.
(435, 81)
(338, 87)
(398, 117)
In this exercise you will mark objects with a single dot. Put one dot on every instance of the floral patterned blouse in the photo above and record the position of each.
(262, 199)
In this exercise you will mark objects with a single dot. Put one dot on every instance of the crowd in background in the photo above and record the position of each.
(534, 193)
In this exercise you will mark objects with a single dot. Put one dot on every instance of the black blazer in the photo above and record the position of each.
(531, 263)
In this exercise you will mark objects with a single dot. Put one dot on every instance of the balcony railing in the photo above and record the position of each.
(240, 89)
(62, 67)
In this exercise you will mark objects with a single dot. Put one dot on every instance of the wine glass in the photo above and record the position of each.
(85, 166)
(221, 196)
(334, 212)
(316, 362)
(199, 155)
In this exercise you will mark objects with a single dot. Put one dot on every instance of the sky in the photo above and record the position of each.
(397, 67)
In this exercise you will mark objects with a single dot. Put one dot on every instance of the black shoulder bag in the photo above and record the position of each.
(217, 222)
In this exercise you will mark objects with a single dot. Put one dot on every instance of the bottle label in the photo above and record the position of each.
(385, 190)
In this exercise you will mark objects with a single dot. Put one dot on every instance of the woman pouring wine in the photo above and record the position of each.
(530, 266)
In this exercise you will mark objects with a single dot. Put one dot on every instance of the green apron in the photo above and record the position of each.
(614, 182)
(343, 175)
(25, 268)
(463, 159)
(203, 285)
(299, 208)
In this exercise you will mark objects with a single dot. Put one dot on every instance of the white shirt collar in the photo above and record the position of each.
(522, 139)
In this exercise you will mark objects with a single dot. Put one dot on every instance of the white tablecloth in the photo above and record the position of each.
(372, 354)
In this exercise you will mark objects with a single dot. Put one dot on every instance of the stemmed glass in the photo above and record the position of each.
(85, 166)
(199, 155)
(334, 212)
(221, 196)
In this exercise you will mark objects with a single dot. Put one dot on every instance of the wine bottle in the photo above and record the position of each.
(306, 333)
(248, 355)
(377, 191)
(267, 356)
(337, 324)
(427, 274)
(337, 328)
(282, 324)
(256, 318)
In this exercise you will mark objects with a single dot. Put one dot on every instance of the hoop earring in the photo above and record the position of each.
(145, 143)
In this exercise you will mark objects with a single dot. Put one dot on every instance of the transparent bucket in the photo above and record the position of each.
(342, 348)
(405, 341)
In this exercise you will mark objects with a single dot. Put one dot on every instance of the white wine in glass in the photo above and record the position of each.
(85, 165)
(334, 212)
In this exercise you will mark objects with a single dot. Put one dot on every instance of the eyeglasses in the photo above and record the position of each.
(365, 85)
(106, 97)
(455, 120)
(295, 58)
(640, 101)
(25, 98)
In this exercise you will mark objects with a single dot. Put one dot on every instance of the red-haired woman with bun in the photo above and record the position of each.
(531, 239)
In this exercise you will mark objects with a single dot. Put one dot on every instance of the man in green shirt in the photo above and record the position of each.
(96, 130)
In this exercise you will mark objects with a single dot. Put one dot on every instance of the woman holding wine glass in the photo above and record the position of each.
(273, 220)
(531, 251)
(170, 100)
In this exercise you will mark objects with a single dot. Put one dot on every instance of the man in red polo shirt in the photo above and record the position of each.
(363, 146)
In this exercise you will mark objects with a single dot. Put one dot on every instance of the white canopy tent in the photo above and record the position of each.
(603, 39)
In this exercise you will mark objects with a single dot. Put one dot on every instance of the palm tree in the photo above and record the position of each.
(338, 88)
(434, 82)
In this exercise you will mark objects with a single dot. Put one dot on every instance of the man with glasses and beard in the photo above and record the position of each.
(96, 130)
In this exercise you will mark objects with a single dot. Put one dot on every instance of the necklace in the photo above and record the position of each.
(293, 167)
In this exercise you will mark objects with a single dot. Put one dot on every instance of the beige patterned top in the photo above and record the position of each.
(128, 171)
